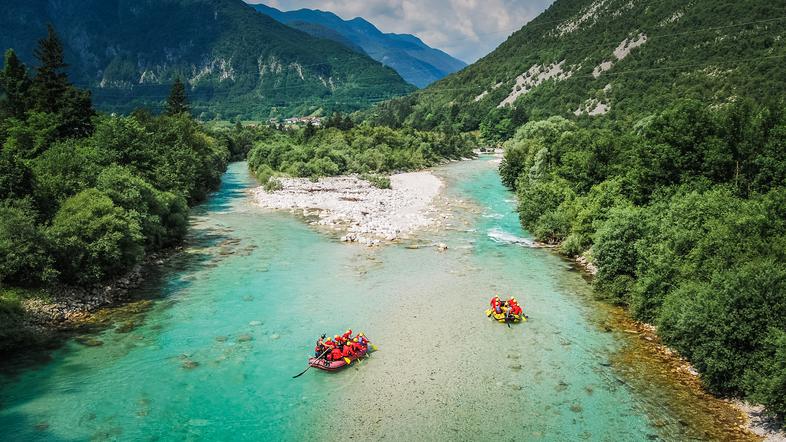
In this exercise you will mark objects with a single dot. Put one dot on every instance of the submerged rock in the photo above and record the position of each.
(89, 341)
(221, 338)
(126, 327)
(275, 336)
(189, 364)
(255, 323)
(245, 338)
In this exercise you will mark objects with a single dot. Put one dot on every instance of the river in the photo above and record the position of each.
(235, 317)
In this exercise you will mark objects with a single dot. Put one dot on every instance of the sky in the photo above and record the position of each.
(465, 29)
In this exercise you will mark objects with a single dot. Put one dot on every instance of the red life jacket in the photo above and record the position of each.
(348, 351)
(346, 335)
(335, 355)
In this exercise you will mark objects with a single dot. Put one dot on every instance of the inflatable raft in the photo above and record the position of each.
(501, 317)
(324, 364)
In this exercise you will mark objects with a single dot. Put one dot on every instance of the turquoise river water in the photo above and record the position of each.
(235, 317)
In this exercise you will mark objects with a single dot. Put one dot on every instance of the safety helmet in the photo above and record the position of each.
(336, 337)
(355, 340)
(361, 334)
(328, 340)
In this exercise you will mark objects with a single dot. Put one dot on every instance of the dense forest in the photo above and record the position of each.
(684, 215)
(341, 147)
(83, 197)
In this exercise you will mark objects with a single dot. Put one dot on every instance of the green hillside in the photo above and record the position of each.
(621, 57)
(236, 61)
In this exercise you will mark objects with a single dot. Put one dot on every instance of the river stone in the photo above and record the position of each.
(189, 364)
(221, 338)
(248, 298)
(515, 366)
(275, 336)
(576, 408)
(245, 338)
(255, 323)
(90, 342)
(126, 327)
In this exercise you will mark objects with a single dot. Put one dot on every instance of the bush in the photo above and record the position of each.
(93, 238)
(24, 257)
(378, 181)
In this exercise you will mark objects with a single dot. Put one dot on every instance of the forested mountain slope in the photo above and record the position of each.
(235, 60)
(616, 57)
(415, 61)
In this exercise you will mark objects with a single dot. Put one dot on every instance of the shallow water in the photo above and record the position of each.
(236, 317)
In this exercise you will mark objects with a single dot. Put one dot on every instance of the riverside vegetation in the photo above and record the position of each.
(684, 215)
(343, 148)
(83, 197)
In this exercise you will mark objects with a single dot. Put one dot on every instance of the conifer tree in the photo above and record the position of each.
(15, 85)
(177, 103)
(51, 82)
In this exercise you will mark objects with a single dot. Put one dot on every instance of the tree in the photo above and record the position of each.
(177, 103)
(15, 84)
(94, 239)
(51, 82)
(24, 258)
(53, 93)
(16, 179)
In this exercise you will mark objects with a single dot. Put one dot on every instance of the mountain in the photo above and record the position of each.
(624, 58)
(415, 61)
(236, 61)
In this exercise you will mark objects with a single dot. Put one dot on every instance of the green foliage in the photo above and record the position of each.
(161, 215)
(24, 257)
(92, 238)
(684, 214)
(362, 149)
(14, 87)
(378, 181)
(54, 94)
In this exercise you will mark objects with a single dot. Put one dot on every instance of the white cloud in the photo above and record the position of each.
(467, 29)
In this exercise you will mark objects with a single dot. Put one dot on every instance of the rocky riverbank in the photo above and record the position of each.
(65, 308)
(353, 206)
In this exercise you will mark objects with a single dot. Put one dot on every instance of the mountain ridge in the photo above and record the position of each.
(588, 58)
(236, 62)
(416, 62)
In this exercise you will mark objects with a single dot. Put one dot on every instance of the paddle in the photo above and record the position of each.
(309, 366)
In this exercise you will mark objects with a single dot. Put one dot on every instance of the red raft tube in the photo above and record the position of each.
(324, 364)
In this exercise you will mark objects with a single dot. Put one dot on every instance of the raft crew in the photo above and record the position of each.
(515, 308)
(339, 347)
(509, 308)
(496, 304)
